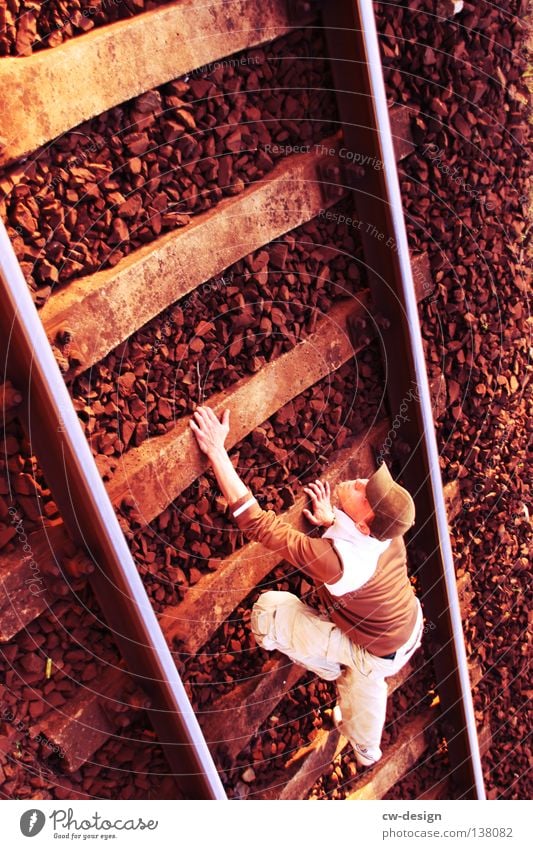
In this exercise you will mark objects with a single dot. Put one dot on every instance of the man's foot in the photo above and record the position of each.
(360, 752)
(361, 757)
(337, 716)
(331, 717)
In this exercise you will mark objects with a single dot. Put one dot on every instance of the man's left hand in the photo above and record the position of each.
(320, 496)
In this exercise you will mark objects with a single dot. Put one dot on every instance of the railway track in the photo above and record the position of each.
(208, 234)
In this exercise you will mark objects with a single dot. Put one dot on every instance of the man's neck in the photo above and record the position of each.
(344, 527)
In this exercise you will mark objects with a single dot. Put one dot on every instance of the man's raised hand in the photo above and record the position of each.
(210, 433)
(320, 495)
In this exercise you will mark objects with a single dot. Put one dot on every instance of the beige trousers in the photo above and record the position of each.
(281, 621)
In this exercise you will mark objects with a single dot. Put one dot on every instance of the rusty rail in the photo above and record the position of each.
(357, 72)
(56, 434)
(59, 442)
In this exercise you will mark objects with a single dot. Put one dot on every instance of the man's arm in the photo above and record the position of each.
(211, 435)
(316, 557)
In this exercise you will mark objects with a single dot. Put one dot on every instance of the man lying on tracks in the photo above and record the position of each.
(374, 620)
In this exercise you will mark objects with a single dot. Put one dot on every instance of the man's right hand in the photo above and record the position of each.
(210, 433)
(320, 496)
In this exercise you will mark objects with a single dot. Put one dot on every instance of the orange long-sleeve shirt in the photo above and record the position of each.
(380, 614)
(316, 557)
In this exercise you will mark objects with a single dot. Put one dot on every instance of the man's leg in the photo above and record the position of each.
(281, 621)
(363, 695)
(363, 704)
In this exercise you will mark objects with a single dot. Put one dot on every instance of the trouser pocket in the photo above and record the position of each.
(310, 634)
(262, 625)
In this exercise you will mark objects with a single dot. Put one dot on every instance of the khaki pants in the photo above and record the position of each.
(281, 621)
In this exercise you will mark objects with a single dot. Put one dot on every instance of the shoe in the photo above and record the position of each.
(337, 716)
(332, 718)
(359, 751)
(361, 757)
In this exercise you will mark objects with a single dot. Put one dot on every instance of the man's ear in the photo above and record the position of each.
(363, 527)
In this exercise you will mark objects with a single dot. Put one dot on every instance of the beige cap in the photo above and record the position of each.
(392, 505)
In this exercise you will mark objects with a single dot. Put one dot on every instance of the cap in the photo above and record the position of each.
(392, 505)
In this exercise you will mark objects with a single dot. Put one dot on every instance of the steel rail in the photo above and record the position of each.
(362, 102)
(58, 441)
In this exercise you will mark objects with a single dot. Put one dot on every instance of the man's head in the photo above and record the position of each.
(378, 505)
